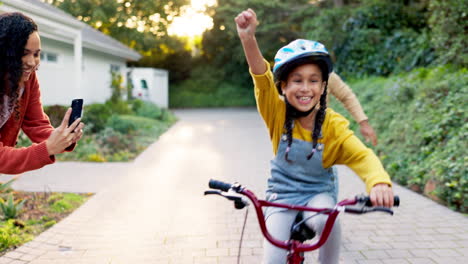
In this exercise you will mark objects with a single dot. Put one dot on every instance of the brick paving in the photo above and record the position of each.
(152, 210)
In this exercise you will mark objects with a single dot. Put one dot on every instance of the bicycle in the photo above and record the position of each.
(299, 231)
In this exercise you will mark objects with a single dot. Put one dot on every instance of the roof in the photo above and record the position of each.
(91, 38)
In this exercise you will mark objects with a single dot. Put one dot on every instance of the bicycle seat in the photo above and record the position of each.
(300, 231)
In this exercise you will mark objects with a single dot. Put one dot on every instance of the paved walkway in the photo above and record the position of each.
(152, 210)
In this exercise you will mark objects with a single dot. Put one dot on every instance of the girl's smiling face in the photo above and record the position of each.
(31, 56)
(303, 87)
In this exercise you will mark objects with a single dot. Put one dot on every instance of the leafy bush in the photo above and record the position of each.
(55, 113)
(449, 24)
(11, 235)
(95, 117)
(422, 129)
(121, 125)
(227, 95)
(119, 107)
(149, 110)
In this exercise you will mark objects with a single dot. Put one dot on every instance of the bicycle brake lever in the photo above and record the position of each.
(212, 192)
(380, 209)
(239, 203)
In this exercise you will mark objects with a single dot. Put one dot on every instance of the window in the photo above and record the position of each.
(49, 57)
(114, 68)
(144, 85)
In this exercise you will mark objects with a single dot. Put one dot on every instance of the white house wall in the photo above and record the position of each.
(158, 84)
(96, 83)
(56, 79)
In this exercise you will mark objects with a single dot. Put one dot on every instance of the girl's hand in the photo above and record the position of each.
(246, 23)
(382, 195)
(62, 137)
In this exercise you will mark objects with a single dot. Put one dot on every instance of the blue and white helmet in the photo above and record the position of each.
(300, 48)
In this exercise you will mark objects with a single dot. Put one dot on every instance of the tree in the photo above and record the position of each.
(140, 24)
(279, 24)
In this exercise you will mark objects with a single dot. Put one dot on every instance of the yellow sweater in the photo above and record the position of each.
(341, 146)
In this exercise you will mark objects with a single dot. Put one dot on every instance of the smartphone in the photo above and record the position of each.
(77, 108)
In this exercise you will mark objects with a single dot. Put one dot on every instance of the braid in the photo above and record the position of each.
(288, 125)
(319, 118)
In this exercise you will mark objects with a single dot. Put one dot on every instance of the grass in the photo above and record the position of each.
(40, 211)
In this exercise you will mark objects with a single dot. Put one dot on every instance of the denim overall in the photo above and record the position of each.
(298, 182)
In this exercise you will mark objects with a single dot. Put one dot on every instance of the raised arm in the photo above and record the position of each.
(246, 23)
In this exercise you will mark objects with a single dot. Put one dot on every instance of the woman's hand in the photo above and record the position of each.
(63, 136)
(246, 23)
(382, 195)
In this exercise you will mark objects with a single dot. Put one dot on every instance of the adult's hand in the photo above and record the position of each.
(64, 135)
(368, 132)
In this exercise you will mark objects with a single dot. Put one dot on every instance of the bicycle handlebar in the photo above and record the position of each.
(344, 205)
(219, 185)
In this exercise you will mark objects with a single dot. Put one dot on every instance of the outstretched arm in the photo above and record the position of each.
(349, 100)
(246, 23)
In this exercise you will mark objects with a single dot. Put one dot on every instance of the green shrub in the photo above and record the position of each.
(149, 110)
(95, 117)
(119, 107)
(422, 128)
(121, 125)
(227, 95)
(11, 235)
(449, 24)
(55, 113)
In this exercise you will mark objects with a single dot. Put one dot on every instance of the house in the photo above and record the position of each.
(76, 59)
(150, 84)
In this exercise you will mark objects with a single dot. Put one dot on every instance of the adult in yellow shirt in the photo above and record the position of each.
(307, 138)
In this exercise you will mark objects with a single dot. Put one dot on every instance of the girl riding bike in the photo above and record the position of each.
(307, 138)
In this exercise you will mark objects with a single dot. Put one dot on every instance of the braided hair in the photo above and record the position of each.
(292, 113)
(15, 29)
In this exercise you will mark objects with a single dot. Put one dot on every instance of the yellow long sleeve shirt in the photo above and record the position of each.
(341, 146)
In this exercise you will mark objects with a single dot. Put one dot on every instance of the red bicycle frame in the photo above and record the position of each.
(294, 247)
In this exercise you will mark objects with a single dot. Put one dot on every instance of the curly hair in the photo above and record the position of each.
(292, 113)
(15, 29)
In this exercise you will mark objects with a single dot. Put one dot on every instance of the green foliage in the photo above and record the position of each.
(226, 95)
(139, 24)
(10, 209)
(11, 235)
(55, 113)
(147, 109)
(422, 128)
(95, 116)
(222, 49)
(121, 124)
(374, 38)
(120, 107)
(449, 23)
(116, 86)
(65, 202)
(6, 187)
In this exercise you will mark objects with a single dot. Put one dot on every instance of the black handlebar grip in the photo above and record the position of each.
(396, 201)
(219, 185)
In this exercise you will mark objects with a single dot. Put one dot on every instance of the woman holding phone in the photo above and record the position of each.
(20, 104)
